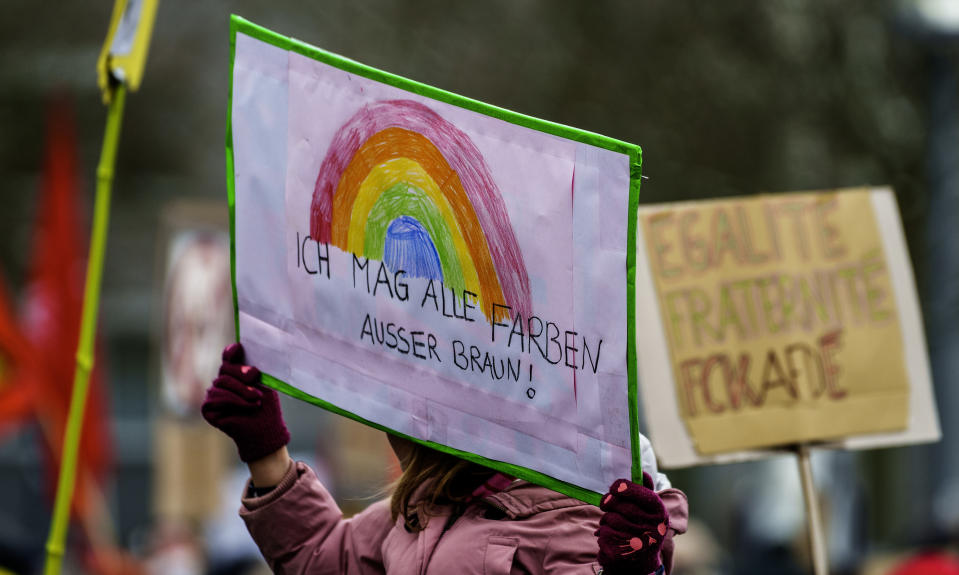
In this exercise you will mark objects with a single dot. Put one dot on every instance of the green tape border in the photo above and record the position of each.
(231, 182)
(632, 366)
(240, 25)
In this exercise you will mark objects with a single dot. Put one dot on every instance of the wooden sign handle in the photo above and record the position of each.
(817, 539)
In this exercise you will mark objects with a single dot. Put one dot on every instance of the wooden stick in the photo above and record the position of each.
(817, 539)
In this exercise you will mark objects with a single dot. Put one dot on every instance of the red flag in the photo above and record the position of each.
(53, 309)
(16, 391)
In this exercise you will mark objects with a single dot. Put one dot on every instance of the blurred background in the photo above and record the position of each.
(726, 98)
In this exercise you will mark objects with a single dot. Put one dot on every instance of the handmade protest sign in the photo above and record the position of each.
(785, 320)
(435, 266)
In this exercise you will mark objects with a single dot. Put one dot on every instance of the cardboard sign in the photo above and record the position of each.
(784, 317)
(435, 266)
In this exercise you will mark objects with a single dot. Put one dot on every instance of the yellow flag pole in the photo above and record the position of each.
(56, 543)
(119, 68)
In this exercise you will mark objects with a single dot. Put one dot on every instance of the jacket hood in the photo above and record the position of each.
(523, 499)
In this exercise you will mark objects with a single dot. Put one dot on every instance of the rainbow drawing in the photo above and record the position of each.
(402, 185)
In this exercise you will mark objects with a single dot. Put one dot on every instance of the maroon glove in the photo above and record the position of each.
(241, 407)
(632, 531)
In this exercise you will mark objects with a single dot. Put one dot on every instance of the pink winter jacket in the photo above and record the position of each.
(522, 529)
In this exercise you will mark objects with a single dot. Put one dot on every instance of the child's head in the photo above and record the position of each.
(445, 480)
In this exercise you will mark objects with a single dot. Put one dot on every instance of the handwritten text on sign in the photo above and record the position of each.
(514, 334)
(780, 319)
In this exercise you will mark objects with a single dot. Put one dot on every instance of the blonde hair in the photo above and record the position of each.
(449, 479)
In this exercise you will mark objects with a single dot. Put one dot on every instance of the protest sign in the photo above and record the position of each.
(435, 266)
(124, 52)
(779, 320)
(196, 319)
(195, 322)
